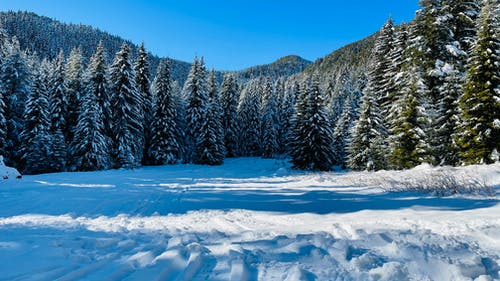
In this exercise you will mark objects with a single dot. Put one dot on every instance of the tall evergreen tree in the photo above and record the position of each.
(74, 92)
(446, 149)
(407, 139)
(36, 136)
(126, 104)
(380, 91)
(14, 89)
(58, 109)
(164, 147)
(229, 99)
(58, 94)
(479, 131)
(432, 39)
(142, 81)
(91, 147)
(97, 79)
(210, 149)
(269, 121)
(249, 116)
(342, 132)
(379, 78)
(287, 108)
(312, 136)
(196, 93)
(366, 149)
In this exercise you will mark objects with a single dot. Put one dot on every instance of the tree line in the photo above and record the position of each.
(431, 95)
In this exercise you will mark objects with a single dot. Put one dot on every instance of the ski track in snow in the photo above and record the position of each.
(249, 219)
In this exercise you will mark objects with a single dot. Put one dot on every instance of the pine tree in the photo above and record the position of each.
(287, 113)
(164, 147)
(15, 86)
(210, 149)
(342, 131)
(407, 139)
(380, 82)
(380, 91)
(58, 94)
(366, 148)
(97, 79)
(142, 82)
(433, 40)
(269, 121)
(479, 131)
(91, 147)
(127, 121)
(312, 136)
(180, 121)
(195, 90)
(58, 109)
(36, 136)
(335, 101)
(74, 90)
(249, 116)
(448, 117)
(230, 97)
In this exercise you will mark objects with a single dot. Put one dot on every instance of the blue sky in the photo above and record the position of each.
(229, 34)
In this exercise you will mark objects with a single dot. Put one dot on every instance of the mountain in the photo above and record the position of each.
(46, 37)
(283, 67)
(354, 56)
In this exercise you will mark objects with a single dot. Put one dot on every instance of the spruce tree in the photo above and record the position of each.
(249, 116)
(342, 132)
(407, 139)
(142, 81)
(91, 147)
(58, 109)
(380, 82)
(126, 115)
(448, 118)
(479, 131)
(269, 121)
(432, 41)
(58, 94)
(197, 104)
(36, 136)
(380, 91)
(164, 147)
(230, 97)
(287, 113)
(15, 86)
(210, 149)
(98, 80)
(74, 90)
(312, 136)
(366, 149)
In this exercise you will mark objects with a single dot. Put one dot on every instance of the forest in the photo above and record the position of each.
(426, 91)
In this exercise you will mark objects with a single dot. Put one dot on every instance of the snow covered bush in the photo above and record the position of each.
(8, 172)
(442, 181)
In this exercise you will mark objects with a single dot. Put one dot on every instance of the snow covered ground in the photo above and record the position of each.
(250, 219)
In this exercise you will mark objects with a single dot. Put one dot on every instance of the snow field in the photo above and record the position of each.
(249, 219)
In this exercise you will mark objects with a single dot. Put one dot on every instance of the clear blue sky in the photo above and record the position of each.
(229, 34)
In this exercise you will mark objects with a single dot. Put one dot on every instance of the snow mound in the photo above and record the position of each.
(8, 172)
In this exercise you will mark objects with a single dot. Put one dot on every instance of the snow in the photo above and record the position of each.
(250, 219)
(7, 173)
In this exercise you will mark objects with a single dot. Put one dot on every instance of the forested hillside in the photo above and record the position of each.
(283, 67)
(47, 37)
